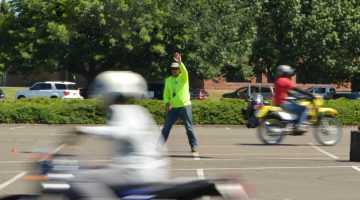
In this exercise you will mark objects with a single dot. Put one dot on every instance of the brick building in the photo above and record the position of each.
(18, 79)
(223, 84)
(22, 80)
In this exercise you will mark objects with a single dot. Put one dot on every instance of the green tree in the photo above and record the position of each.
(72, 35)
(87, 37)
(328, 41)
(216, 34)
(317, 37)
(277, 25)
(3, 35)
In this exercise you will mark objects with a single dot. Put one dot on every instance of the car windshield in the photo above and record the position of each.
(62, 86)
(317, 89)
(242, 90)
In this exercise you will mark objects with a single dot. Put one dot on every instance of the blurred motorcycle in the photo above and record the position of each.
(56, 178)
(275, 122)
(255, 102)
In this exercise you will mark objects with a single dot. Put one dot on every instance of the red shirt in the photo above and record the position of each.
(282, 85)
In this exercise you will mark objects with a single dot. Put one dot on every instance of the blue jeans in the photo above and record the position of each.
(186, 115)
(298, 109)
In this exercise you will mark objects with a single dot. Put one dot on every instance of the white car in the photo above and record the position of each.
(51, 89)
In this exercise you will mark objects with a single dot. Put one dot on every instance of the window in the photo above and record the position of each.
(36, 87)
(265, 89)
(320, 90)
(46, 86)
(72, 87)
(61, 86)
(41, 86)
(254, 89)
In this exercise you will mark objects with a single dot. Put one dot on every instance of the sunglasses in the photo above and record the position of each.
(173, 69)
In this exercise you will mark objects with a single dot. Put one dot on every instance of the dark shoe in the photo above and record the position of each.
(193, 149)
(299, 130)
(297, 133)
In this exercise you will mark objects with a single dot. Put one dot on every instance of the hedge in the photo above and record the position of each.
(52, 111)
(76, 111)
(226, 111)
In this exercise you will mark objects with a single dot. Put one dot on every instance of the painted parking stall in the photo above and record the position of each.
(282, 171)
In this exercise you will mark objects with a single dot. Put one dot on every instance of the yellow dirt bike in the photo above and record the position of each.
(275, 123)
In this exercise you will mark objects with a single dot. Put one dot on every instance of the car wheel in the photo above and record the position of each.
(21, 97)
(53, 97)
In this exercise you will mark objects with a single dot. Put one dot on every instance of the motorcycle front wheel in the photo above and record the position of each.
(270, 131)
(328, 130)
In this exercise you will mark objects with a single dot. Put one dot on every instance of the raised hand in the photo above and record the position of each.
(177, 57)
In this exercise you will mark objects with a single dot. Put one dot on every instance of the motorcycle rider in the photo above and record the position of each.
(137, 159)
(283, 87)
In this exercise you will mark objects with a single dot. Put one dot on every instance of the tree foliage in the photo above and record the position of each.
(215, 37)
(316, 37)
(87, 37)
(4, 15)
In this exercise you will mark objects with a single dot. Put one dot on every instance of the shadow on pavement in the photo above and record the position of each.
(270, 145)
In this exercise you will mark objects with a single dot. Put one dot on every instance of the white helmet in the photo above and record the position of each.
(110, 83)
(284, 70)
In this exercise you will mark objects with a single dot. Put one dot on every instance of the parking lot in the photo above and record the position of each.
(296, 169)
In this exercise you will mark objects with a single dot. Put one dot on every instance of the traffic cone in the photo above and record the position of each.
(14, 150)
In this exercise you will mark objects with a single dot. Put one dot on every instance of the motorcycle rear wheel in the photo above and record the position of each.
(328, 131)
(270, 131)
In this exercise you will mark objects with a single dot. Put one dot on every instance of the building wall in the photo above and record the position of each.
(21, 80)
(222, 84)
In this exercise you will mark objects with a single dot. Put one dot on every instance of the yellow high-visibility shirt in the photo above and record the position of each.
(176, 90)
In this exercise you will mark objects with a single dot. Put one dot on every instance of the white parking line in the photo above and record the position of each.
(16, 161)
(200, 173)
(17, 171)
(276, 167)
(196, 156)
(13, 179)
(356, 168)
(16, 127)
(324, 152)
(238, 159)
(21, 174)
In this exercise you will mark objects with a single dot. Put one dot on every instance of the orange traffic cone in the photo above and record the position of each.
(14, 150)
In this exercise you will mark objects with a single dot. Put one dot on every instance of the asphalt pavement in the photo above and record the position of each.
(298, 168)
